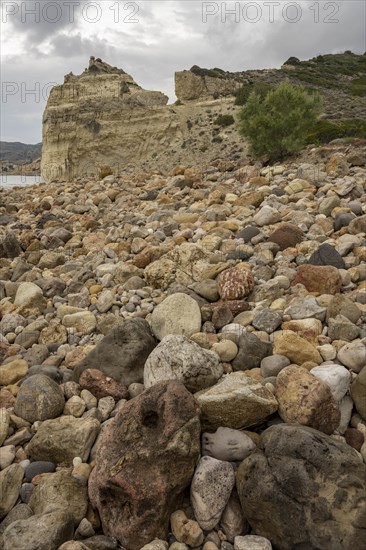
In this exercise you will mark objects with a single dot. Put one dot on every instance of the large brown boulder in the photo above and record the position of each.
(145, 459)
(303, 489)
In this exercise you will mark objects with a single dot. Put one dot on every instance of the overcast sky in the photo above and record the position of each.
(152, 39)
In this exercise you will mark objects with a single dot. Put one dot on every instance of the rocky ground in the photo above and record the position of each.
(183, 358)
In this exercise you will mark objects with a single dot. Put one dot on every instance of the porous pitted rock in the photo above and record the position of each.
(39, 398)
(304, 399)
(321, 279)
(177, 358)
(235, 283)
(145, 460)
(64, 438)
(211, 488)
(177, 314)
(237, 401)
(296, 475)
(122, 353)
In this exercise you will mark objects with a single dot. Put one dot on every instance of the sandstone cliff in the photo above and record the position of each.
(88, 121)
(102, 121)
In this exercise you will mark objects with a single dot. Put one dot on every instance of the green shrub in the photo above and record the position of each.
(215, 73)
(243, 93)
(279, 124)
(324, 131)
(292, 61)
(224, 120)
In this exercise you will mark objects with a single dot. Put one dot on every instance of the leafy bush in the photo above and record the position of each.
(292, 61)
(199, 71)
(224, 120)
(279, 124)
(324, 131)
(243, 93)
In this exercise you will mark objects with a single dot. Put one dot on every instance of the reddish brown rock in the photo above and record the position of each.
(7, 399)
(304, 399)
(354, 438)
(221, 316)
(101, 385)
(235, 306)
(322, 279)
(145, 460)
(142, 259)
(286, 236)
(7, 350)
(235, 283)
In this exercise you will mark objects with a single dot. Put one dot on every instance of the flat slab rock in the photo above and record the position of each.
(237, 401)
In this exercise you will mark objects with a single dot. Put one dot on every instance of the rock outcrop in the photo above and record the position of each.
(81, 131)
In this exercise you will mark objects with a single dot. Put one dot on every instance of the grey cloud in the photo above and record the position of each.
(67, 46)
(151, 51)
(39, 20)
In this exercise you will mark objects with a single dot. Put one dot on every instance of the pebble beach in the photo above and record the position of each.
(183, 358)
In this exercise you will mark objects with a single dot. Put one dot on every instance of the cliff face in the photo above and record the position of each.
(192, 86)
(100, 117)
(103, 119)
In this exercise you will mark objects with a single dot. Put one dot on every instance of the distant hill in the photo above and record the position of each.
(341, 79)
(14, 152)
